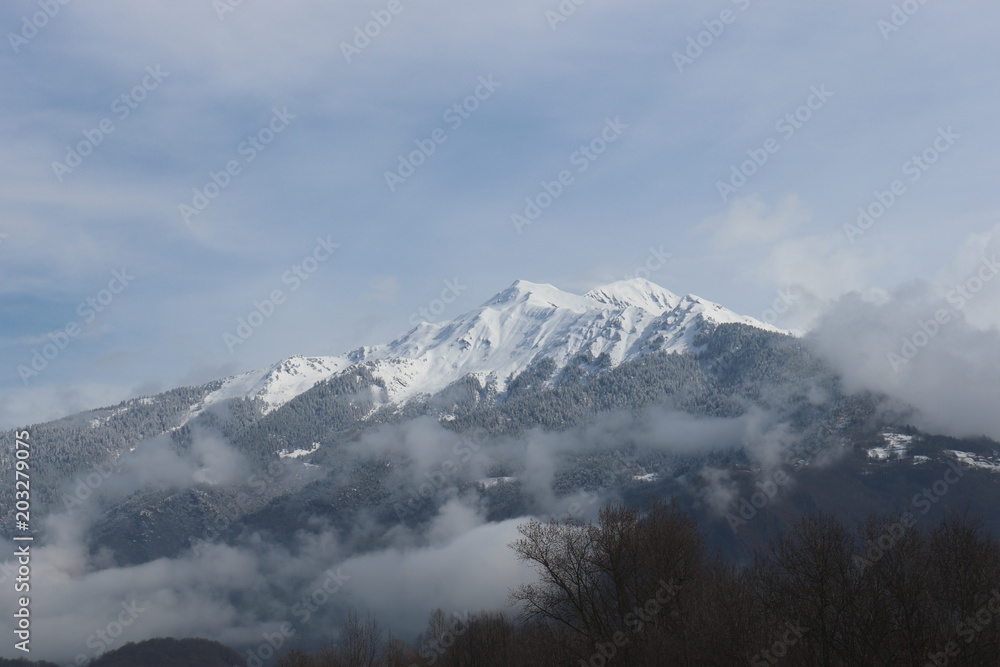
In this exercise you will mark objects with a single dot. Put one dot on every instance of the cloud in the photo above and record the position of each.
(933, 344)
(35, 405)
(383, 288)
(976, 254)
(720, 490)
(783, 246)
(949, 372)
(474, 571)
(230, 594)
(326, 176)
(822, 267)
(236, 593)
(749, 221)
(458, 561)
(158, 463)
(681, 433)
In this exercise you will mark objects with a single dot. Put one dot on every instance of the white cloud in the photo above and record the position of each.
(749, 221)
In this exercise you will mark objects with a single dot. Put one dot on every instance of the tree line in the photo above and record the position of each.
(642, 589)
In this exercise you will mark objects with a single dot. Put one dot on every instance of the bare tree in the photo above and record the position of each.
(296, 658)
(811, 583)
(610, 580)
(361, 641)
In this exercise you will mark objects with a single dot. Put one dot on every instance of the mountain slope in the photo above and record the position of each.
(532, 404)
(470, 361)
(524, 323)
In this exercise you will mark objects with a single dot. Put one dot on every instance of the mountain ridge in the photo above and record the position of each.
(627, 394)
(493, 342)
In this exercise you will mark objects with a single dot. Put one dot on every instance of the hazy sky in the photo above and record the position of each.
(275, 124)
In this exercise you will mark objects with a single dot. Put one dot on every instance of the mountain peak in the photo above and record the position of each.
(541, 294)
(638, 293)
(523, 323)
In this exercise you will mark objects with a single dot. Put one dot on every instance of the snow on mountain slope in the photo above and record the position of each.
(637, 292)
(525, 322)
(680, 325)
(279, 383)
(528, 321)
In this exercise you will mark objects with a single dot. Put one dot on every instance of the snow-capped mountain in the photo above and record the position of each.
(523, 323)
(633, 388)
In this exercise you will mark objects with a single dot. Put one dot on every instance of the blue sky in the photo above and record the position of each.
(187, 88)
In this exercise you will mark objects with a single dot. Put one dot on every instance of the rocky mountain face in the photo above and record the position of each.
(533, 402)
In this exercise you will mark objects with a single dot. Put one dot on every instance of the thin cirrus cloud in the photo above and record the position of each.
(561, 80)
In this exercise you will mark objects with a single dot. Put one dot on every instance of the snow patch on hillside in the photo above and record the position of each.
(897, 446)
(971, 460)
(298, 453)
(490, 482)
